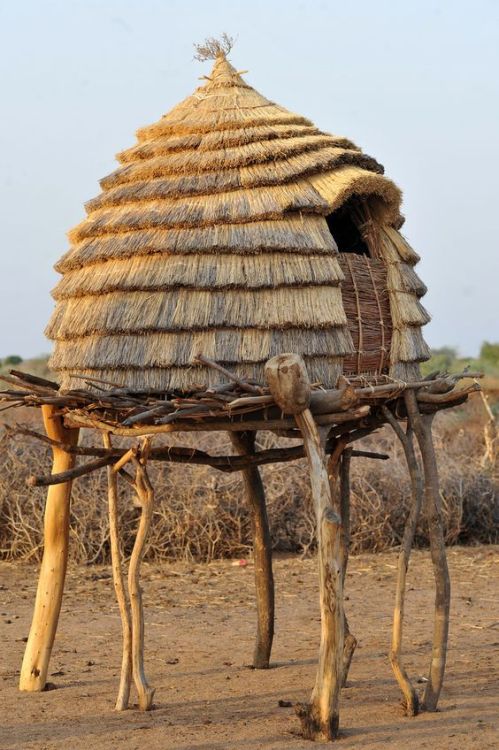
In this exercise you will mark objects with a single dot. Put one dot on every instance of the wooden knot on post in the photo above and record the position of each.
(288, 381)
(331, 516)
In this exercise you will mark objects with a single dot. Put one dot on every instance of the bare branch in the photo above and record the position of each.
(212, 47)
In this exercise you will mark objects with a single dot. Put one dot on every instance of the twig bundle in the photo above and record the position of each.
(237, 402)
(351, 411)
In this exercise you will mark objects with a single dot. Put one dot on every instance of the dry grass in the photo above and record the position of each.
(201, 514)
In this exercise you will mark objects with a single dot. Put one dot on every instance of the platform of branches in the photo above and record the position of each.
(327, 421)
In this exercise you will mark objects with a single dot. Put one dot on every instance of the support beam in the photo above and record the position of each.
(54, 563)
(145, 496)
(235, 423)
(422, 425)
(244, 443)
(411, 701)
(177, 454)
(350, 643)
(119, 586)
(289, 384)
(339, 483)
(320, 719)
(67, 476)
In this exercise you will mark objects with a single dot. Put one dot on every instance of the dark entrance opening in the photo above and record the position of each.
(344, 229)
(364, 288)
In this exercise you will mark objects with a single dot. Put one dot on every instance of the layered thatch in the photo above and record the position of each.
(408, 314)
(210, 238)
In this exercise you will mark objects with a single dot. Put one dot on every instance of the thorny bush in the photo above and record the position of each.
(201, 514)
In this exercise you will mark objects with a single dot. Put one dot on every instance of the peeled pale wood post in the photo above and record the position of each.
(119, 586)
(244, 443)
(145, 496)
(411, 701)
(288, 382)
(54, 563)
(422, 425)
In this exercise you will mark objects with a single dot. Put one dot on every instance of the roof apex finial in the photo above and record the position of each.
(213, 48)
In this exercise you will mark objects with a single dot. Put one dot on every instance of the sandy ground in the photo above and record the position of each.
(199, 632)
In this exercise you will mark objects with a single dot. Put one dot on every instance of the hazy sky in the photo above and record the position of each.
(414, 83)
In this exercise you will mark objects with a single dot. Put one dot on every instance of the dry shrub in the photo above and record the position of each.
(201, 513)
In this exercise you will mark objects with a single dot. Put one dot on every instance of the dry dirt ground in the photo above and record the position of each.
(199, 633)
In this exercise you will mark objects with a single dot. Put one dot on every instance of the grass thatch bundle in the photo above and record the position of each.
(299, 234)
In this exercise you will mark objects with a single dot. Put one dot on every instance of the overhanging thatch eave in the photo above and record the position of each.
(280, 172)
(201, 271)
(292, 233)
(214, 140)
(114, 312)
(323, 370)
(193, 161)
(170, 349)
(240, 206)
(221, 121)
(337, 186)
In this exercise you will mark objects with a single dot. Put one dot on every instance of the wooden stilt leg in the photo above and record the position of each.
(320, 719)
(411, 702)
(145, 497)
(119, 586)
(289, 384)
(339, 483)
(350, 640)
(262, 551)
(53, 569)
(422, 428)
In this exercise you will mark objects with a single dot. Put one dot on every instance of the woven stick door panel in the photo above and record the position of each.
(367, 307)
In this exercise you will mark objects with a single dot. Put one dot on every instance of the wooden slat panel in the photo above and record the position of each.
(367, 307)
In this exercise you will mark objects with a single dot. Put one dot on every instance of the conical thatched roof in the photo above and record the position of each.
(210, 238)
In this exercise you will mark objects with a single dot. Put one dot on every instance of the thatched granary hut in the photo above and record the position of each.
(237, 229)
(238, 243)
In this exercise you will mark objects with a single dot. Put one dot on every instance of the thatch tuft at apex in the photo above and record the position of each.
(237, 230)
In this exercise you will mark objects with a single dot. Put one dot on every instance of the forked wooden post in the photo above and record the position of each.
(119, 585)
(54, 563)
(422, 427)
(411, 701)
(288, 381)
(145, 496)
(350, 643)
(244, 443)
